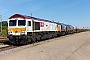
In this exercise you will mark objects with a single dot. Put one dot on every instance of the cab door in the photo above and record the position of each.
(29, 28)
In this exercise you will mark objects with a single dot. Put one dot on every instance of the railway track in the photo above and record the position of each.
(4, 40)
(7, 48)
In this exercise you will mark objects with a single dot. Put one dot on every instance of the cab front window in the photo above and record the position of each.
(12, 23)
(21, 22)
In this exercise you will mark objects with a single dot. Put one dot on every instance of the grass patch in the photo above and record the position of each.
(4, 31)
(1, 43)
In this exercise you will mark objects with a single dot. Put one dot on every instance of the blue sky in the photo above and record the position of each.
(74, 12)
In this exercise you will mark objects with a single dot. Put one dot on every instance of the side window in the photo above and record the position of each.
(29, 23)
(37, 26)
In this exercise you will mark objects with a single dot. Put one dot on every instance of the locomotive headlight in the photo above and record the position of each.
(9, 32)
(22, 33)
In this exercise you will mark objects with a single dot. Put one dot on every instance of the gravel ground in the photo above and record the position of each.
(74, 47)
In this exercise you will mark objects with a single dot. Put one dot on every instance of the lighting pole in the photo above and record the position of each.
(1, 22)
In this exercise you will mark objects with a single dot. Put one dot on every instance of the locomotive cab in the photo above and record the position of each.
(18, 28)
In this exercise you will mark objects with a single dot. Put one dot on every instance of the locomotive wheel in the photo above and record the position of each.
(29, 40)
(34, 40)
